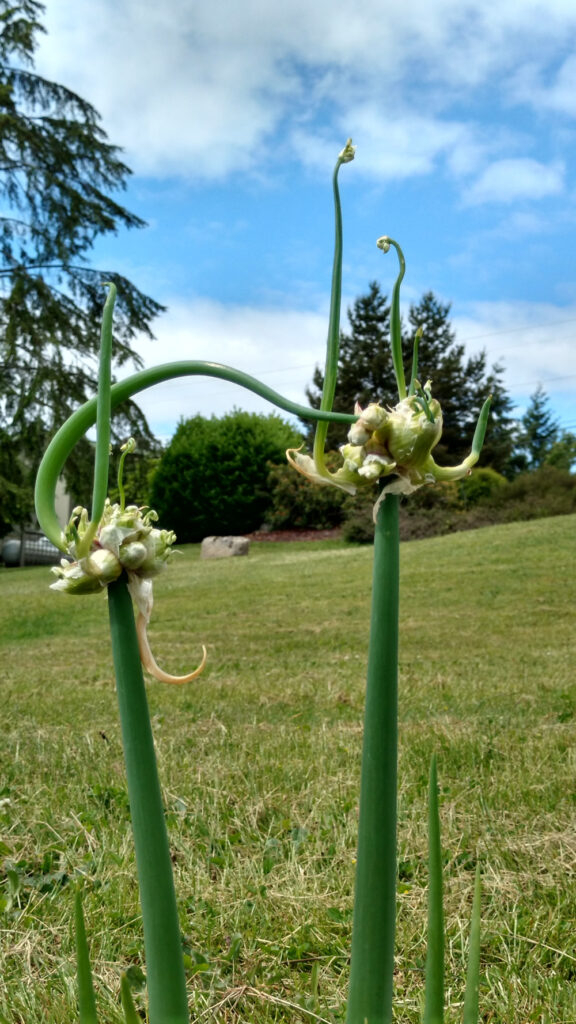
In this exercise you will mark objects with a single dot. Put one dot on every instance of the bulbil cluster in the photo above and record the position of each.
(125, 540)
(390, 446)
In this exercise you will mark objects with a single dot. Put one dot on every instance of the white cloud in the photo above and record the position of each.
(393, 146)
(534, 341)
(506, 181)
(198, 88)
(556, 92)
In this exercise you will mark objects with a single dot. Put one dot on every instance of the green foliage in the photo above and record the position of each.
(296, 503)
(562, 453)
(541, 441)
(547, 492)
(16, 489)
(58, 176)
(481, 484)
(482, 499)
(539, 429)
(358, 525)
(213, 477)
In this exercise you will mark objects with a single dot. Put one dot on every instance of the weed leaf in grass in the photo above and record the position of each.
(86, 1000)
(473, 975)
(130, 1014)
(434, 995)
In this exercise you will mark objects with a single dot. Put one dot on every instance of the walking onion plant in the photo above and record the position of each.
(118, 547)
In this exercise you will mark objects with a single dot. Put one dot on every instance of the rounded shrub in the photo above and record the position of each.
(483, 484)
(297, 504)
(213, 477)
(358, 525)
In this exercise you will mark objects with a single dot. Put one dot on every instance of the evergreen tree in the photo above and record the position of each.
(365, 371)
(213, 477)
(461, 384)
(498, 450)
(58, 174)
(539, 429)
(562, 454)
(441, 360)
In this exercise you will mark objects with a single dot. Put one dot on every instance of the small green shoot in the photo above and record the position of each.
(434, 992)
(130, 1013)
(86, 997)
(471, 997)
(414, 373)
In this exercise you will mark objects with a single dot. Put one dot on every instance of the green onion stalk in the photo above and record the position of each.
(119, 548)
(392, 449)
(401, 444)
(374, 922)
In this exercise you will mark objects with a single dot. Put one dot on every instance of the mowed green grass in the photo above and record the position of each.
(260, 760)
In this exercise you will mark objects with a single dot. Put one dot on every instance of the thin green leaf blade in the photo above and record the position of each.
(414, 373)
(86, 998)
(434, 987)
(384, 244)
(333, 342)
(471, 997)
(480, 431)
(130, 1014)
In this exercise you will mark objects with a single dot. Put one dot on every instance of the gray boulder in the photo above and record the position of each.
(224, 547)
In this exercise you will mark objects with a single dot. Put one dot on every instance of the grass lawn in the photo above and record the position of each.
(259, 761)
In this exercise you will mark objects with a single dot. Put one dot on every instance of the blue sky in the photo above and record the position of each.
(231, 115)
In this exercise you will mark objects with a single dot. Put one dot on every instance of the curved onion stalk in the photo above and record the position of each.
(166, 985)
(166, 982)
(384, 244)
(333, 342)
(85, 417)
(373, 930)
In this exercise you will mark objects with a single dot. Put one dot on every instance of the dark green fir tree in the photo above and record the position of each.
(365, 371)
(461, 383)
(59, 177)
(539, 430)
